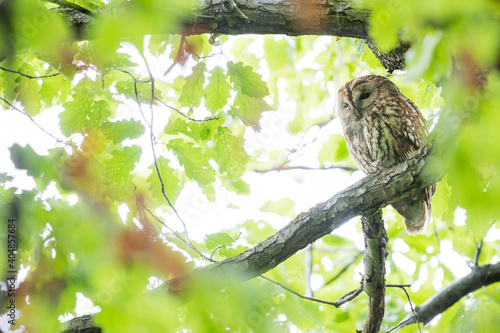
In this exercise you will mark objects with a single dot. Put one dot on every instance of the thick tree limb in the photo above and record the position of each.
(374, 262)
(479, 277)
(288, 17)
(363, 198)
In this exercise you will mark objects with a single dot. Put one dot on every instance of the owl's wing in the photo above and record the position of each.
(393, 132)
(413, 127)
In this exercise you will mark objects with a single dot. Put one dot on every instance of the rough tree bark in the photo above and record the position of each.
(362, 198)
(479, 277)
(287, 17)
(375, 237)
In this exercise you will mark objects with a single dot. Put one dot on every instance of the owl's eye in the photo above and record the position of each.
(364, 96)
(346, 106)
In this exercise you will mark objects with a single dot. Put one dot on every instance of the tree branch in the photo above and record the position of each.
(362, 198)
(342, 299)
(293, 18)
(479, 277)
(374, 262)
(71, 5)
(343, 270)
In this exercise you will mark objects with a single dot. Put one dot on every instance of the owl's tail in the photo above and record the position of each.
(416, 209)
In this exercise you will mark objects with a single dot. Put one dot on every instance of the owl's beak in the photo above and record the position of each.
(356, 111)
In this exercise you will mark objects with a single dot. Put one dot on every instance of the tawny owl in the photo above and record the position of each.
(382, 128)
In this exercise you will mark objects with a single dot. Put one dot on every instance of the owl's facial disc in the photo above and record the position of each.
(364, 96)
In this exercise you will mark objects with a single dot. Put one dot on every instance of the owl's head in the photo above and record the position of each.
(358, 96)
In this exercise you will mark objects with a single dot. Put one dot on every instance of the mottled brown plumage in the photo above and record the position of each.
(383, 128)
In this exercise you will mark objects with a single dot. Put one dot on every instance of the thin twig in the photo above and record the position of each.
(153, 140)
(415, 315)
(178, 55)
(213, 252)
(182, 114)
(189, 244)
(136, 93)
(479, 247)
(133, 77)
(283, 168)
(343, 270)
(36, 124)
(401, 324)
(342, 300)
(29, 76)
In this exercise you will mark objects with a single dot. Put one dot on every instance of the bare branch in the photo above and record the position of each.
(342, 300)
(414, 313)
(236, 17)
(374, 261)
(283, 168)
(36, 124)
(479, 277)
(182, 114)
(29, 76)
(343, 270)
(479, 247)
(361, 198)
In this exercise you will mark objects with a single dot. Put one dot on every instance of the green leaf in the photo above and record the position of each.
(128, 88)
(333, 150)
(283, 207)
(168, 177)
(203, 131)
(196, 163)
(55, 90)
(249, 109)
(122, 163)
(198, 45)
(28, 91)
(123, 129)
(369, 58)
(217, 90)
(4, 178)
(277, 53)
(158, 44)
(43, 168)
(247, 81)
(229, 252)
(218, 239)
(441, 201)
(83, 113)
(26, 158)
(192, 92)
(336, 241)
(238, 186)
(229, 154)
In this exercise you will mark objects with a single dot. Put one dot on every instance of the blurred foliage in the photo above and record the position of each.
(144, 117)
